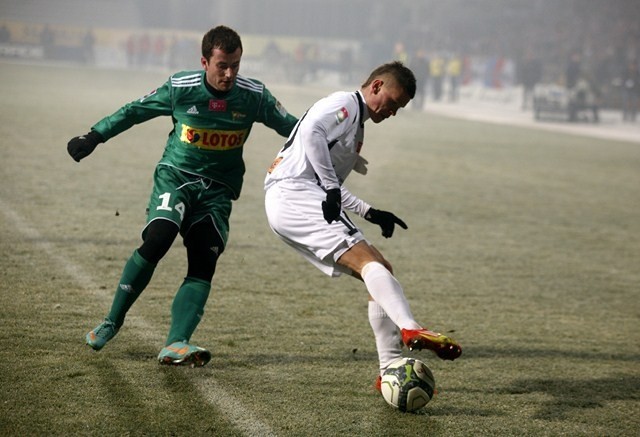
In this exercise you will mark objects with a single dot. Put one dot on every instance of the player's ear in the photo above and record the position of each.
(204, 62)
(376, 85)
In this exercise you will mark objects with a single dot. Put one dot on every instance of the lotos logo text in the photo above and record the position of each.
(212, 139)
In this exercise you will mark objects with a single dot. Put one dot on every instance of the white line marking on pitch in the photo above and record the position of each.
(210, 390)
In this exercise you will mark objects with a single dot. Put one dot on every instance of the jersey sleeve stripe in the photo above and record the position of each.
(248, 84)
(186, 81)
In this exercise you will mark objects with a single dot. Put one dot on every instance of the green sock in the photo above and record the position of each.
(187, 309)
(135, 278)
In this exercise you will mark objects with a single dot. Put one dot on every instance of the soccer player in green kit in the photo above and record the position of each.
(197, 178)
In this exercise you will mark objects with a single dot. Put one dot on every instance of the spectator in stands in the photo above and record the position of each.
(573, 70)
(420, 67)
(400, 53)
(454, 71)
(436, 75)
(5, 34)
(530, 75)
(584, 96)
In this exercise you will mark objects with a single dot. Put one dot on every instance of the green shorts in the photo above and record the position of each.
(187, 199)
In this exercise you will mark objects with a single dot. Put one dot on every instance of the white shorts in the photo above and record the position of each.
(294, 212)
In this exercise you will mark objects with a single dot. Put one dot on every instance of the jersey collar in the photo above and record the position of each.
(364, 112)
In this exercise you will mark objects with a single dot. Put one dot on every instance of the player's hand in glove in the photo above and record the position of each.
(82, 146)
(331, 206)
(385, 220)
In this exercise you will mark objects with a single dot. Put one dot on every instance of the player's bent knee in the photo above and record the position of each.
(158, 238)
(358, 256)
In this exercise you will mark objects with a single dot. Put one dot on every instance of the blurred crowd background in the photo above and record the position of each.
(452, 45)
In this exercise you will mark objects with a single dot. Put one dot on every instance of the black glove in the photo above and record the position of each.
(82, 146)
(331, 206)
(385, 220)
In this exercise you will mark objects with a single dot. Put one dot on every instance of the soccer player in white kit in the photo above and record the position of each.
(305, 202)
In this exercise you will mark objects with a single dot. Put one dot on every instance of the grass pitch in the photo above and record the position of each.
(523, 245)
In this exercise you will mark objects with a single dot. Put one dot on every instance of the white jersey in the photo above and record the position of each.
(324, 145)
(318, 156)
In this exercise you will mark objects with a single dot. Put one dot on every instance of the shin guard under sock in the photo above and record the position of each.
(188, 309)
(387, 292)
(136, 275)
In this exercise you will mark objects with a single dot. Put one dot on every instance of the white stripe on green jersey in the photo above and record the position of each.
(195, 79)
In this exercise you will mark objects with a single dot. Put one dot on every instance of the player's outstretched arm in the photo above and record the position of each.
(386, 220)
(82, 146)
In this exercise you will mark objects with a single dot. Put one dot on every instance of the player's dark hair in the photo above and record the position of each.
(223, 38)
(402, 74)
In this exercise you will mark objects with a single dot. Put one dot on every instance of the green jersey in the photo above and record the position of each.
(209, 128)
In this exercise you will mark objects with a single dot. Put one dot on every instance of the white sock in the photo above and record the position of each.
(387, 334)
(387, 292)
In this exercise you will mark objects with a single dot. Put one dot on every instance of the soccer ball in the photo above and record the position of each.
(407, 385)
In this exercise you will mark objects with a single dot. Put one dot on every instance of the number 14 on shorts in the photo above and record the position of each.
(164, 206)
